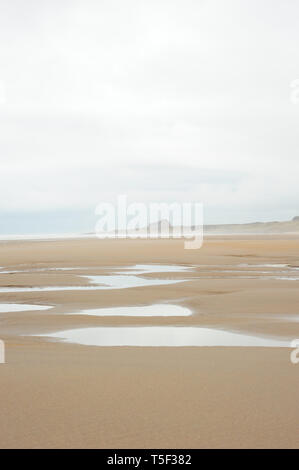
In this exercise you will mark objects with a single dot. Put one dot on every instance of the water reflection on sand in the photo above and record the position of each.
(163, 336)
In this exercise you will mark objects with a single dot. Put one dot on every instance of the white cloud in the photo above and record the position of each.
(94, 89)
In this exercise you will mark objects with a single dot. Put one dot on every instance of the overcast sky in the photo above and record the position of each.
(163, 100)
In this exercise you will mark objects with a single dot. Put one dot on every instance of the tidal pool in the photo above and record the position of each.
(129, 277)
(163, 336)
(7, 308)
(158, 310)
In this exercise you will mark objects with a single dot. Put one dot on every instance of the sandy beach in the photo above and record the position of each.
(55, 394)
(131, 132)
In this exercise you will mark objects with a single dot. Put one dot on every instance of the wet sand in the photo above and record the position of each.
(65, 395)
